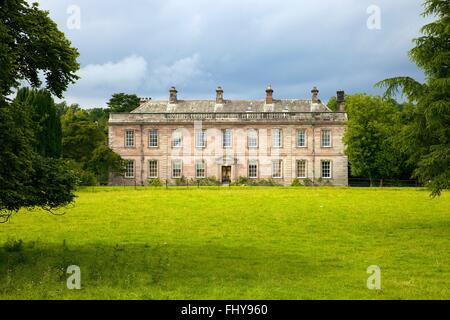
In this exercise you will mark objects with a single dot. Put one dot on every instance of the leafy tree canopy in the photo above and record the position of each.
(371, 137)
(31, 44)
(426, 137)
(122, 102)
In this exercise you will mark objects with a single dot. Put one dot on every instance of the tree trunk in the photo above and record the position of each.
(381, 182)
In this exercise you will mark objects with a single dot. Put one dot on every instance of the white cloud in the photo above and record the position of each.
(126, 74)
(181, 72)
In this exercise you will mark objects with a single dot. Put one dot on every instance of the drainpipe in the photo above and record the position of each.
(314, 153)
(142, 154)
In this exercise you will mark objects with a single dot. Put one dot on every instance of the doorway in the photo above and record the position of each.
(226, 174)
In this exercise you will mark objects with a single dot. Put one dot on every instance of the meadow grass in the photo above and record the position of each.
(232, 243)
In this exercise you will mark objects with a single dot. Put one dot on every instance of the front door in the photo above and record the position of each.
(226, 174)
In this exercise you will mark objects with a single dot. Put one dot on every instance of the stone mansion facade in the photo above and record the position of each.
(258, 139)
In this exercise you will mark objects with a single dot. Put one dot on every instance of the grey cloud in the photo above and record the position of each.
(147, 46)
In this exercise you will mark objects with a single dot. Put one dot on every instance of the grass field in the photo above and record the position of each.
(232, 243)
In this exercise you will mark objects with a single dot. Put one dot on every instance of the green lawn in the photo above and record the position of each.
(232, 243)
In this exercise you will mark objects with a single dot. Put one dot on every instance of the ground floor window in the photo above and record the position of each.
(301, 168)
(176, 168)
(326, 169)
(153, 169)
(277, 166)
(129, 169)
(200, 169)
(253, 169)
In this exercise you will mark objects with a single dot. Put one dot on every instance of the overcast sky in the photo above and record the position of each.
(146, 46)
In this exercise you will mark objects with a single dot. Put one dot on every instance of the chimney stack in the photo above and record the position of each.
(315, 95)
(340, 100)
(219, 95)
(173, 95)
(269, 95)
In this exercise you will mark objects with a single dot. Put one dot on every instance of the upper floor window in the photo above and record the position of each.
(200, 170)
(227, 137)
(129, 138)
(253, 169)
(277, 169)
(326, 169)
(276, 138)
(153, 138)
(326, 138)
(177, 168)
(129, 169)
(153, 169)
(301, 138)
(252, 138)
(177, 139)
(200, 138)
(301, 169)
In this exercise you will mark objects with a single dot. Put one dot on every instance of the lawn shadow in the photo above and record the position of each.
(38, 270)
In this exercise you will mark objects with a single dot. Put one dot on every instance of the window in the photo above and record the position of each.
(252, 138)
(177, 166)
(200, 169)
(153, 169)
(277, 169)
(227, 138)
(253, 169)
(326, 169)
(301, 138)
(177, 139)
(129, 138)
(301, 168)
(276, 138)
(153, 138)
(200, 139)
(129, 169)
(326, 138)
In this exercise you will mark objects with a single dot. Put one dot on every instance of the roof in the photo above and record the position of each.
(210, 106)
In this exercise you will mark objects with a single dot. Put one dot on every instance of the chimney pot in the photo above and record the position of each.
(340, 100)
(269, 94)
(219, 95)
(315, 95)
(173, 95)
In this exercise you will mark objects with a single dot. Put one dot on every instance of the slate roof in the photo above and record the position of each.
(210, 106)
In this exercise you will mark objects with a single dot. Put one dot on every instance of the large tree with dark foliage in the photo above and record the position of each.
(47, 122)
(31, 44)
(27, 179)
(426, 137)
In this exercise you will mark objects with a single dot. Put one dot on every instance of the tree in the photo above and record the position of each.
(27, 179)
(45, 115)
(80, 136)
(105, 161)
(100, 116)
(370, 137)
(426, 138)
(121, 102)
(84, 144)
(30, 44)
(332, 104)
